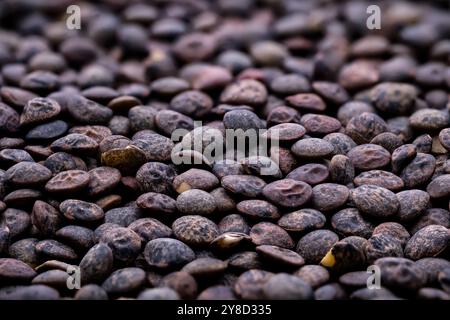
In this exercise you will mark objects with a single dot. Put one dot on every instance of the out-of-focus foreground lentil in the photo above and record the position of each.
(361, 169)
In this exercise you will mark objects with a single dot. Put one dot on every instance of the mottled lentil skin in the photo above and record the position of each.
(116, 157)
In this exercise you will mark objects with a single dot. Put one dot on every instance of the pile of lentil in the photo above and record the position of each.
(362, 170)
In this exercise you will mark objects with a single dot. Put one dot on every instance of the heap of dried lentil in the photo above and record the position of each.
(362, 176)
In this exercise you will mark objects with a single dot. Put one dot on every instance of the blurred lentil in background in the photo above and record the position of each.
(362, 171)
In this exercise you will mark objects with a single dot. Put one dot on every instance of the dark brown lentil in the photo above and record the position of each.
(358, 127)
